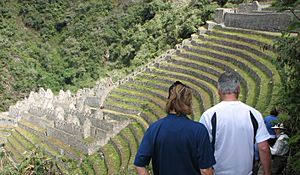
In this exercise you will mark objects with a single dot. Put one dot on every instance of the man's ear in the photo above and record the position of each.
(237, 91)
(219, 92)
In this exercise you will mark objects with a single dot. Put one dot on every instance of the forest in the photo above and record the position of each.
(72, 44)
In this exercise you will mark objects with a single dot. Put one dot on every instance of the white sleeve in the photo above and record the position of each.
(205, 120)
(262, 132)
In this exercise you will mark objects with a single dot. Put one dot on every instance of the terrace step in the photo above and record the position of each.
(123, 148)
(264, 34)
(250, 66)
(54, 143)
(112, 158)
(191, 81)
(98, 164)
(138, 119)
(198, 53)
(190, 55)
(140, 100)
(127, 135)
(142, 109)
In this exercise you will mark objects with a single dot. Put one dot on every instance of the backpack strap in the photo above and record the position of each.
(254, 124)
(214, 125)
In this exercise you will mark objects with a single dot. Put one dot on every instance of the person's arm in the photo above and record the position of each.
(207, 171)
(265, 156)
(142, 170)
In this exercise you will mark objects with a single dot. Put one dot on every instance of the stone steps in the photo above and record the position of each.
(17, 145)
(200, 90)
(157, 83)
(262, 59)
(251, 39)
(208, 82)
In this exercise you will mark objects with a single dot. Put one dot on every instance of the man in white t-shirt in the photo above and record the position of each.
(233, 128)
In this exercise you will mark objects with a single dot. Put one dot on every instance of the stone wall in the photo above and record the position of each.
(274, 22)
(69, 117)
(253, 16)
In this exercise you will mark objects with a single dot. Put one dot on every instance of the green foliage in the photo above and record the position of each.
(289, 63)
(71, 44)
(291, 5)
(36, 162)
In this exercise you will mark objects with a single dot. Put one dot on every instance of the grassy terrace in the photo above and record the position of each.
(153, 92)
(97, 163)
(123, 146)
(251, 44)
(195, 83)
(251, 83)
(112, 158)
(164, 82)
(235, 54)
(121, 105)
(130, 138)
(16, 156)
(142, 100)
(198, 66)
(189, 54)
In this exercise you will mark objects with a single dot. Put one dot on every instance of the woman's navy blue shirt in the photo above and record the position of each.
(177, 146)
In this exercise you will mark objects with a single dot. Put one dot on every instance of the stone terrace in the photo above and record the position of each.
(109, 120)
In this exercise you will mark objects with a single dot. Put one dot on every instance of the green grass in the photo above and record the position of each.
(267, 89)
(251, 84)
(98, 164)
(263, 89)
(133, 145)
(152, 117)
(86, 167)
(17, 156)
(138, 119)
(142, 102)
(124, 149)
(257, 37)
(112, 158)
(172, 76)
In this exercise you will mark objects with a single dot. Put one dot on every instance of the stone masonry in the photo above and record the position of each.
(253, 16)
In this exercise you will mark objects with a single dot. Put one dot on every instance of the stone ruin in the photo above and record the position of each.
(71, 118)
(254, 16)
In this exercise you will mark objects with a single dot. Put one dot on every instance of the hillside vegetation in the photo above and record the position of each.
(71, 44)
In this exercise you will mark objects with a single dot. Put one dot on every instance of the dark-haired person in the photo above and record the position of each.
(270, 121)
(234, 127)
(176, 144)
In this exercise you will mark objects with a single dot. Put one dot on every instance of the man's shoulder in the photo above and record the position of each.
(212, 109)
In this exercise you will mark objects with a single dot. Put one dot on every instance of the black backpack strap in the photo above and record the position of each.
(254, 124)
(214, 125)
